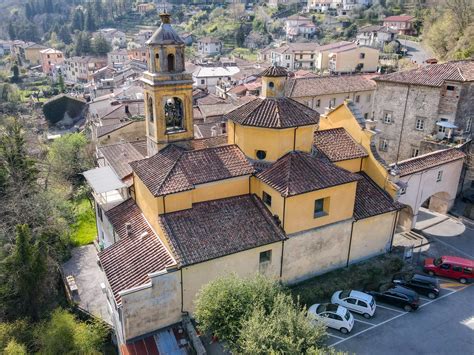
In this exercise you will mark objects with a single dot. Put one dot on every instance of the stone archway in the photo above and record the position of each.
(440, 202)
(406, 218)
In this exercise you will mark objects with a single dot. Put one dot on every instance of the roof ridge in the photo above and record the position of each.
(172, 170)
(288, 176)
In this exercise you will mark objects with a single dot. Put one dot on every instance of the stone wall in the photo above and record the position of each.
(420, 101)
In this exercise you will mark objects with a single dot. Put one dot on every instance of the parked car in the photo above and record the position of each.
(398, 296)
(452, 267)
(355, 301)
(424, 285)
(333, 316)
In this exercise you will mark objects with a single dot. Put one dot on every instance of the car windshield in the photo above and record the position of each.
(347, 316)
(437, 261)
(372, 302)
(344, 294)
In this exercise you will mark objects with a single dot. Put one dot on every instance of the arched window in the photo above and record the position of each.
(271, 84)
(170, 62)
(150, 110)
(157, 56)
(174, 115)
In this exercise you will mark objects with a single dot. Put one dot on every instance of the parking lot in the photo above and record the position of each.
(444, 325)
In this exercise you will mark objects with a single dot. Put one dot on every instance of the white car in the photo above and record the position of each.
(355, 301)
(333, 316)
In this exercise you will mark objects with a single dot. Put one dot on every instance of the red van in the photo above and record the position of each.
(451, 266)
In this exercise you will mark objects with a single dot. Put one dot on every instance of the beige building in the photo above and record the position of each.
(81, 69)
(292, 55)
(32, 53)
(362, 59)
(324, 92)
(51, 58)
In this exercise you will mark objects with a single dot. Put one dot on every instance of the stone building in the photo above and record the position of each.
(424, 109)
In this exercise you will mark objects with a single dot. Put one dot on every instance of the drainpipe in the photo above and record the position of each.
(393, 230)
(182, 292)
(283, 219)
(294, 139)
(281, 260)
(403, 123)
(164, 204)
(350, 245)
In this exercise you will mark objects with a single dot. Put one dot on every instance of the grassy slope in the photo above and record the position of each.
(84, 231)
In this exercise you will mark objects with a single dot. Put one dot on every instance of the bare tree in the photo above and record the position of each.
(462, 11)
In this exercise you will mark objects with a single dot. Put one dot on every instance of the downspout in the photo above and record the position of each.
(350, 244)
(294, 139)
(182, 292)
(361, 160)
(164, 204)
(283, 219)
(393, 230)
(403, 123)
(281, 260)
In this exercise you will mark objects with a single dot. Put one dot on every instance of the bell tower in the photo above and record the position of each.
(168, 90)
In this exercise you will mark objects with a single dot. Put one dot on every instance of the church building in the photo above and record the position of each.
(291, 195)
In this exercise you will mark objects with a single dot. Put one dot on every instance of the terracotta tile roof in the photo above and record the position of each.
(140, 146)
(298, 172)
(174, 169)
(332, 46)
(430, 160)
(274, 71)
(325, 85)
(274, 113)
(371, 200)
(211, 142)
(104, 130)
(400, 18)
(217, 228)
(336, 144)
(434, 74)
(128, 262)
(119, 156)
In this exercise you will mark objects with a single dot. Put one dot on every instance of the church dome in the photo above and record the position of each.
(165, 34)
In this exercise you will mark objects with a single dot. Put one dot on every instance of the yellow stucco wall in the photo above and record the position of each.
(347, 61)
(243, 264)
(299, 209)
(315, 251)
(341, 116)
(353, 165)
(178, 201)
(258, 187)
(276, 142)
(371, 236)
(278, 88)
(221, 189)
(149, 205)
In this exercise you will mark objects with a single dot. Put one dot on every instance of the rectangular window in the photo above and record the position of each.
(203, 81)
(450, 88)
(387, 117)
(362, 55)
(267, 199)
(442, 129)
(369, 97)
(320, 207)
(366, 116)
(415, 152)
(440, 176)
(318, 103)
(99, 213)
(383, 145)
(265, 256)
(420, 124)
(469, 124)
(332, 102)
(357, 98)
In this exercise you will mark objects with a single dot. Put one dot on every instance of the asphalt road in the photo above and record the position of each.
(442, 326)
(417, 51)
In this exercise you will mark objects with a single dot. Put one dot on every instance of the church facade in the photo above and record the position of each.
(291, 195)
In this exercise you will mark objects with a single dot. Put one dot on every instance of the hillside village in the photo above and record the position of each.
(168, 147)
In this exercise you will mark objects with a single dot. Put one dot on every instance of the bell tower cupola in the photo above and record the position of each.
(167, 89)
(273, 81)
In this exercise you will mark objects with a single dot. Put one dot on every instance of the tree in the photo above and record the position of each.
(13, 348)
(462, 11)
(78, 20)
(65, 35)
(23, 274)
(69, 157)
(284, 330)
(101, 46)
(15, 73)
(89, 21)
(61, 85)
(64, 334)
(11, 31)
(224, 303)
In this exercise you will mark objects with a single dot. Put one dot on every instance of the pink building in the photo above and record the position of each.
(49, 58)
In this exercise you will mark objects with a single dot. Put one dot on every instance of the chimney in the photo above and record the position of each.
(128, 227)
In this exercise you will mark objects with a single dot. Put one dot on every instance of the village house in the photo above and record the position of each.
(114, 37)
(209, 46)
(81, 69)
(420, 109)
(5, 48)
(210, 77)
(403, 24)
(337, 7)
(51, 58)
(138, 54)
(117, 58)
(376, 36)
(145, 8)
(294, 55)
(31, 52)
(361, 59)
(326, 92)
(297, 25)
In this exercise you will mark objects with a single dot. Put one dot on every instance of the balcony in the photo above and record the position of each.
(108, 190)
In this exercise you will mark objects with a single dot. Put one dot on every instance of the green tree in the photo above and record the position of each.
(223, 304)
(64, 334)
(65, 35)
(61, 85)
(101, 46)
(13, 348)
(69, 157)
(23, 274)
(89, 21)
(77, 19)
(15, 73)
(11, 31)
(284, 330)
